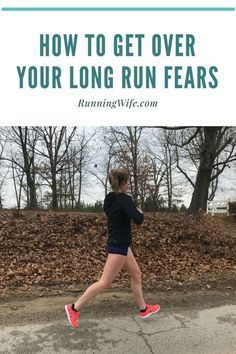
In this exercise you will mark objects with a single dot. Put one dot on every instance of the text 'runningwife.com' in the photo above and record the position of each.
(127, 103)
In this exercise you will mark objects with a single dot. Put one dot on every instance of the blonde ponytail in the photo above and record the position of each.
(116, 177)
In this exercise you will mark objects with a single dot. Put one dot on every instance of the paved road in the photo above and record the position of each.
(185, 331)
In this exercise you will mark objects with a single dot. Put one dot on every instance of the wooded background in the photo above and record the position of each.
(49, 166)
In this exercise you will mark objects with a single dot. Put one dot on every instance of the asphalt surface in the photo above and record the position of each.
(182, 331)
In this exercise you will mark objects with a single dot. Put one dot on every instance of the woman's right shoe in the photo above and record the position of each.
(72, 316)
(150, 310)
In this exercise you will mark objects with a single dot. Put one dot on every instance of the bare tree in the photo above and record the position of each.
(17, 176)
(2, 180)
(78, 160)
(26, 139)
(53, 151)
(162, 154)
(3, 174)
(145, 171)
(127, 152)
(104, 158)
(211, 149)
(22, 142)
(156, 177)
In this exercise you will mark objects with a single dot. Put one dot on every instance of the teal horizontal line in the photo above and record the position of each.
(92, 9)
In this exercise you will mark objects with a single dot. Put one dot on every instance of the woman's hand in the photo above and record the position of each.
(140, 210)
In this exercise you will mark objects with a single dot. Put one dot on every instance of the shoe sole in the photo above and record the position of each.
(68, 317)
(151, 313)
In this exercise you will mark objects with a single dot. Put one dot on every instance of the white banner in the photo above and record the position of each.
(166, 67)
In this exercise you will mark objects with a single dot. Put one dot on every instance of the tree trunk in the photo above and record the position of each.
(134, 142)
(80, 186)
(54, 193)
(33, 203)
(200, 193)
(201, 188)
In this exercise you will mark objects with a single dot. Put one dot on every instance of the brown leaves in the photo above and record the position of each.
(46, 248)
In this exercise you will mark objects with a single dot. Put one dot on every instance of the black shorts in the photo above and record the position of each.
(123, 250)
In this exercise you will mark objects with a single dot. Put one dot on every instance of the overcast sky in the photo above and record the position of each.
(93, 191)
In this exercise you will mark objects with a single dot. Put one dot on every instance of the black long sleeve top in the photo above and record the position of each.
(120, 210)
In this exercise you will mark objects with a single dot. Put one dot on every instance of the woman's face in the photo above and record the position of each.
(124, 186)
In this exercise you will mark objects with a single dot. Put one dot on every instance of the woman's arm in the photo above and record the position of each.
(129, 207)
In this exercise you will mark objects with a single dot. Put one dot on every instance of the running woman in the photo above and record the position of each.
(120, 210)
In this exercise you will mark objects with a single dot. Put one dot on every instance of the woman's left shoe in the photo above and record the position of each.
(150, 310)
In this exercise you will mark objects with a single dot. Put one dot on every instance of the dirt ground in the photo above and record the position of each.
(34, 306)
(112, 302)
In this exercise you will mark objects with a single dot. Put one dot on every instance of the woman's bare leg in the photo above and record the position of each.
(111, 269)
(133, 269)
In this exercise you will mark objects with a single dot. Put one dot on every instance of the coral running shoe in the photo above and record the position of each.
(72, 316)
(150, 310)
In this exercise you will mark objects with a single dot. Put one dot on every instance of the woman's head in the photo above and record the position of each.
(118, 179)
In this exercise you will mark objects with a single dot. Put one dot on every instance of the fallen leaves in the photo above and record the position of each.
(46, 248)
